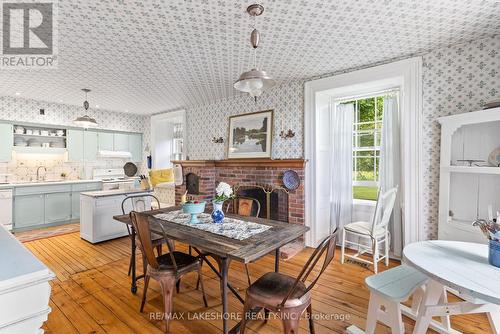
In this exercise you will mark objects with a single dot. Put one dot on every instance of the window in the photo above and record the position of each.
(366, 146)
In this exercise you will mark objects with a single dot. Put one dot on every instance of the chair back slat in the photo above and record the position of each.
(383, 209)
(141, 226)
(138, 203)
(239, 210)
(326, 247)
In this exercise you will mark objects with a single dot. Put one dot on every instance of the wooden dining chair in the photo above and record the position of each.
(288, 296)
(167, 269)
(138, 203)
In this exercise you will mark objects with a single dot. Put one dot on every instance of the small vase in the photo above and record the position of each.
(217, 213)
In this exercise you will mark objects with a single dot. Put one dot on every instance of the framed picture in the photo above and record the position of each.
(250, 135)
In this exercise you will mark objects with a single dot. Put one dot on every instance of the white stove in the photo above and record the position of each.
(114, 178)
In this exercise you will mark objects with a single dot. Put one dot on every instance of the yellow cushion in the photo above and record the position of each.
(161, 176)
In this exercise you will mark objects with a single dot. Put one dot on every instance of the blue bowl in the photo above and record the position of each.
(194, 209)
(494, 253)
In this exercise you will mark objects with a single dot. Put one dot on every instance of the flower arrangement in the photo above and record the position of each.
(223, 192)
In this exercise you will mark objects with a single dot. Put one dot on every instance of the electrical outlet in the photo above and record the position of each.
(42, 111)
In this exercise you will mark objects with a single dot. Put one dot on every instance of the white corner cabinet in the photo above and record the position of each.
(468, 183)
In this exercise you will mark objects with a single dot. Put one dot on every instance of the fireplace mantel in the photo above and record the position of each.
(278, 163)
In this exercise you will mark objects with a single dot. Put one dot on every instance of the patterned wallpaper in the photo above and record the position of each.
(23, 167)
(207, 121)
(456, 79)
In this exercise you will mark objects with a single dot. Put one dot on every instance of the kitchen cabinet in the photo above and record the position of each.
(75, 145)
(29, 210)
(6, 142)
(120, 142)
(135, 146)
(90, 147)
(105, 140)
(75, 196)
(57, 207)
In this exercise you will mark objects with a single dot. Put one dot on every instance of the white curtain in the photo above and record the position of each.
(341, 164)
(390, 166)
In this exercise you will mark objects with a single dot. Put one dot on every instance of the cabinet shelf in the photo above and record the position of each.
(23, 135)
(471, 169)
(42, 150)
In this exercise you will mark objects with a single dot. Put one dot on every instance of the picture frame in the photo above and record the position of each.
(251, 135)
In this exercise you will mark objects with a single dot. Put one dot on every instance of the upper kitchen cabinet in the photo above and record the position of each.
(120, 142)
(6, 142)
(135, 146)
(106, 141)
(75, 145)
(90, 147)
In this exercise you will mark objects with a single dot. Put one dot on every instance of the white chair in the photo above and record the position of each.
(375, 231)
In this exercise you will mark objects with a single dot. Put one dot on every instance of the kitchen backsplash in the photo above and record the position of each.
(23, 167)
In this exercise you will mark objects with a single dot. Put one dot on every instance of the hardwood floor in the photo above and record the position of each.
(91, 294)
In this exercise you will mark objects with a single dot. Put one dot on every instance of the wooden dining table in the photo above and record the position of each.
(225, 248)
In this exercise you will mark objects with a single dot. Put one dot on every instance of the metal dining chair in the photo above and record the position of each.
(288, 296)
(138, 203)
(167, 269)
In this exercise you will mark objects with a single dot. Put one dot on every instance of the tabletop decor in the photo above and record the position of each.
(250, 135)
(223, 193)
(193, 209)
(491, 230)
(231, 228)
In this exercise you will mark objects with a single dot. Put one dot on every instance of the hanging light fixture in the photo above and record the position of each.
(85, 121)
(255, 81)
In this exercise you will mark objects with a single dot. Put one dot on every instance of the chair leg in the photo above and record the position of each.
(159, 250)
(375, 255)
(167, 284)
(130, 266)
(342, 249)
(266, 315)
(396, 319)
(200, 282)
(311, 321)
(248, 275)
(144, 264)
(199, 276)
(371, 320)
(144, 292)
(291, 322)
(178, 286)
(190, 250)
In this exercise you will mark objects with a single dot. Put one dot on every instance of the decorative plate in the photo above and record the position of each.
(494, 157)
(291, 179)
(130, 169)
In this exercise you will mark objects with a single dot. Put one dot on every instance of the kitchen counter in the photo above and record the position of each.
(24, 287)
(114, 192)
(42, 183)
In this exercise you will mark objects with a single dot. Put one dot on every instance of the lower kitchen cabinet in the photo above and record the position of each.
(29, 211)
(57, 207)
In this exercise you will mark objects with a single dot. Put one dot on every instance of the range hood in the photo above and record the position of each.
(115, 154)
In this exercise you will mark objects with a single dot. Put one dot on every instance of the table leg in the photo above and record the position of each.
(494, 319)
(224, 268)
(134, 274)
(432, 296)
(277, 260)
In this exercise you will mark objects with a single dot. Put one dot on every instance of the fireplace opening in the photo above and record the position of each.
(193, 184)
(273, 201)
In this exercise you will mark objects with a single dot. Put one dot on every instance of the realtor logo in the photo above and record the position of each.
(28, 35)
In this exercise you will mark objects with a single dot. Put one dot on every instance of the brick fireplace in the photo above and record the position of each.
(244, 175)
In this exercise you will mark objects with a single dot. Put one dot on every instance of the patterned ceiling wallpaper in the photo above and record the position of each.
(147, 56)
(457, 79)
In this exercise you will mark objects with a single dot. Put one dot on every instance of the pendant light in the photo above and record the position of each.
(85, 121)
(255, 81)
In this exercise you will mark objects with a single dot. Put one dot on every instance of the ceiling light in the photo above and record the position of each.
(17, 93)
(97, 106)
(85, 121)
(255, 81)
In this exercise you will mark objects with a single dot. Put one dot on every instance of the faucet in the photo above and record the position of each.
(38, 172)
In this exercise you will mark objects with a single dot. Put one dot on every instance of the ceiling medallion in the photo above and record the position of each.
(85, 121)
(255, 81)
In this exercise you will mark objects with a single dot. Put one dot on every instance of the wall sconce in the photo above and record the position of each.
(287, 134)
(219, 140)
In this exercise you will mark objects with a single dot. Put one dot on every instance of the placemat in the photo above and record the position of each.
(230, 227)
